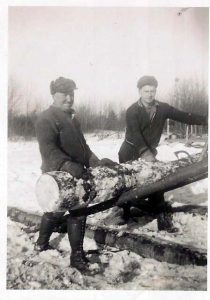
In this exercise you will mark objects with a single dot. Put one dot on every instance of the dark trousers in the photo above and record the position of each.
(156, 201)
(127, 153)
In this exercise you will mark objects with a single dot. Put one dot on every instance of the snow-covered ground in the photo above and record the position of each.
(51, 269)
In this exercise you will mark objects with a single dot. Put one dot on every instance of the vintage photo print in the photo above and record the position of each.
(107, 148)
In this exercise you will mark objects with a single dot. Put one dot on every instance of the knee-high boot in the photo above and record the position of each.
(83, 235)
(75, 228)
(46, 229)
(163, 210)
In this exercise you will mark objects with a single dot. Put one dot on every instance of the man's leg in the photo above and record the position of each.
(62, 228)
(76, 231)
(126, 153)
(48, 223)
(163, 210)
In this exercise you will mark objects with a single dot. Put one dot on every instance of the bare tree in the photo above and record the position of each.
(191, 96)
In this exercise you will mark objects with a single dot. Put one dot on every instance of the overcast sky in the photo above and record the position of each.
(106, 50)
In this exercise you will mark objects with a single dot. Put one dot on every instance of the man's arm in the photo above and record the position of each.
(138, 139)
(78, 126)
(47, 139)
(187, 118)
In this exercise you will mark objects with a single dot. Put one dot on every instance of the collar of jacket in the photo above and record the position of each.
(155, 103)
(71, 112)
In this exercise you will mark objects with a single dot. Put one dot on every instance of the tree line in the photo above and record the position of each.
(187, 95)
(190, 96)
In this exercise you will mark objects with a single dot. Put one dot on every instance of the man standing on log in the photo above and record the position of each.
(63, 148)
(145, 121)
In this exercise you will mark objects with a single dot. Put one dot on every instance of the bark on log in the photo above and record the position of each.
(59, 191)
(183, 176)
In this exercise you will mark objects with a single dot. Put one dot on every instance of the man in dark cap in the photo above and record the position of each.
(64, 148)
(145, 121)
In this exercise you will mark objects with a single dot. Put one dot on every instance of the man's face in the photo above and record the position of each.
(64, 101)
(147, 94)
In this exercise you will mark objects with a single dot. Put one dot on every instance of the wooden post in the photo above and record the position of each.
(187, 135)
(191, 130)
(168, 128)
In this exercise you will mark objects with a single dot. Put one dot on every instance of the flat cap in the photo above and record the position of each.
(62, 85)
(147, 80)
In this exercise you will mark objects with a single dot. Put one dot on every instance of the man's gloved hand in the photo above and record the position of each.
(94, 161)
(148, 156)
(106, 162)
(75, 169)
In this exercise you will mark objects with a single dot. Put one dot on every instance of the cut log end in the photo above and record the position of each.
(47, 192)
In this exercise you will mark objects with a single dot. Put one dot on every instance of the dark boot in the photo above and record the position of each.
(165, 219)
(126, 214)
(163, 211)
(75, 227)
(46, 229)
(62, 228)
(83, 235)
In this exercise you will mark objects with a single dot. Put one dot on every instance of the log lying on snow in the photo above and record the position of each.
(151, 247)
(143, 244)
(59, 191)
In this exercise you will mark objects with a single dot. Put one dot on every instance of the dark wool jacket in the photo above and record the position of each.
(144, 132)
(60, 139)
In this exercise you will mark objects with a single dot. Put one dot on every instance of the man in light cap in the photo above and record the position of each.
(145, 121)
(63, 148)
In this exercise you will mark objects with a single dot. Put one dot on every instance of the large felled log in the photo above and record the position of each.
(59, 191)
(182, 177)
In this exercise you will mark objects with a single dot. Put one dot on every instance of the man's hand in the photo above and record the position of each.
(106, 162)
(94, 161)
(75, 169)
(148, 156)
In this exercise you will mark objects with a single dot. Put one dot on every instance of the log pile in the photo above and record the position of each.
(59, 191)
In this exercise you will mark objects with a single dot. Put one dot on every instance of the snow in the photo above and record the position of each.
(121, 269)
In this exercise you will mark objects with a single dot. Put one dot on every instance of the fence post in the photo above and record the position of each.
(187, 134)
(168, 127)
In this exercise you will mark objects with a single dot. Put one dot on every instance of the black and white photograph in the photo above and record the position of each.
(107, 147)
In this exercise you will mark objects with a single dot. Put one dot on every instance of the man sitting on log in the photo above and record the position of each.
(63, 148)
(145, 121)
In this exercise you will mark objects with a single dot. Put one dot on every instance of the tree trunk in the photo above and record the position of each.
(168, 128)
(183, 176)
(59, 191)
(56, 191)
(187, 134)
